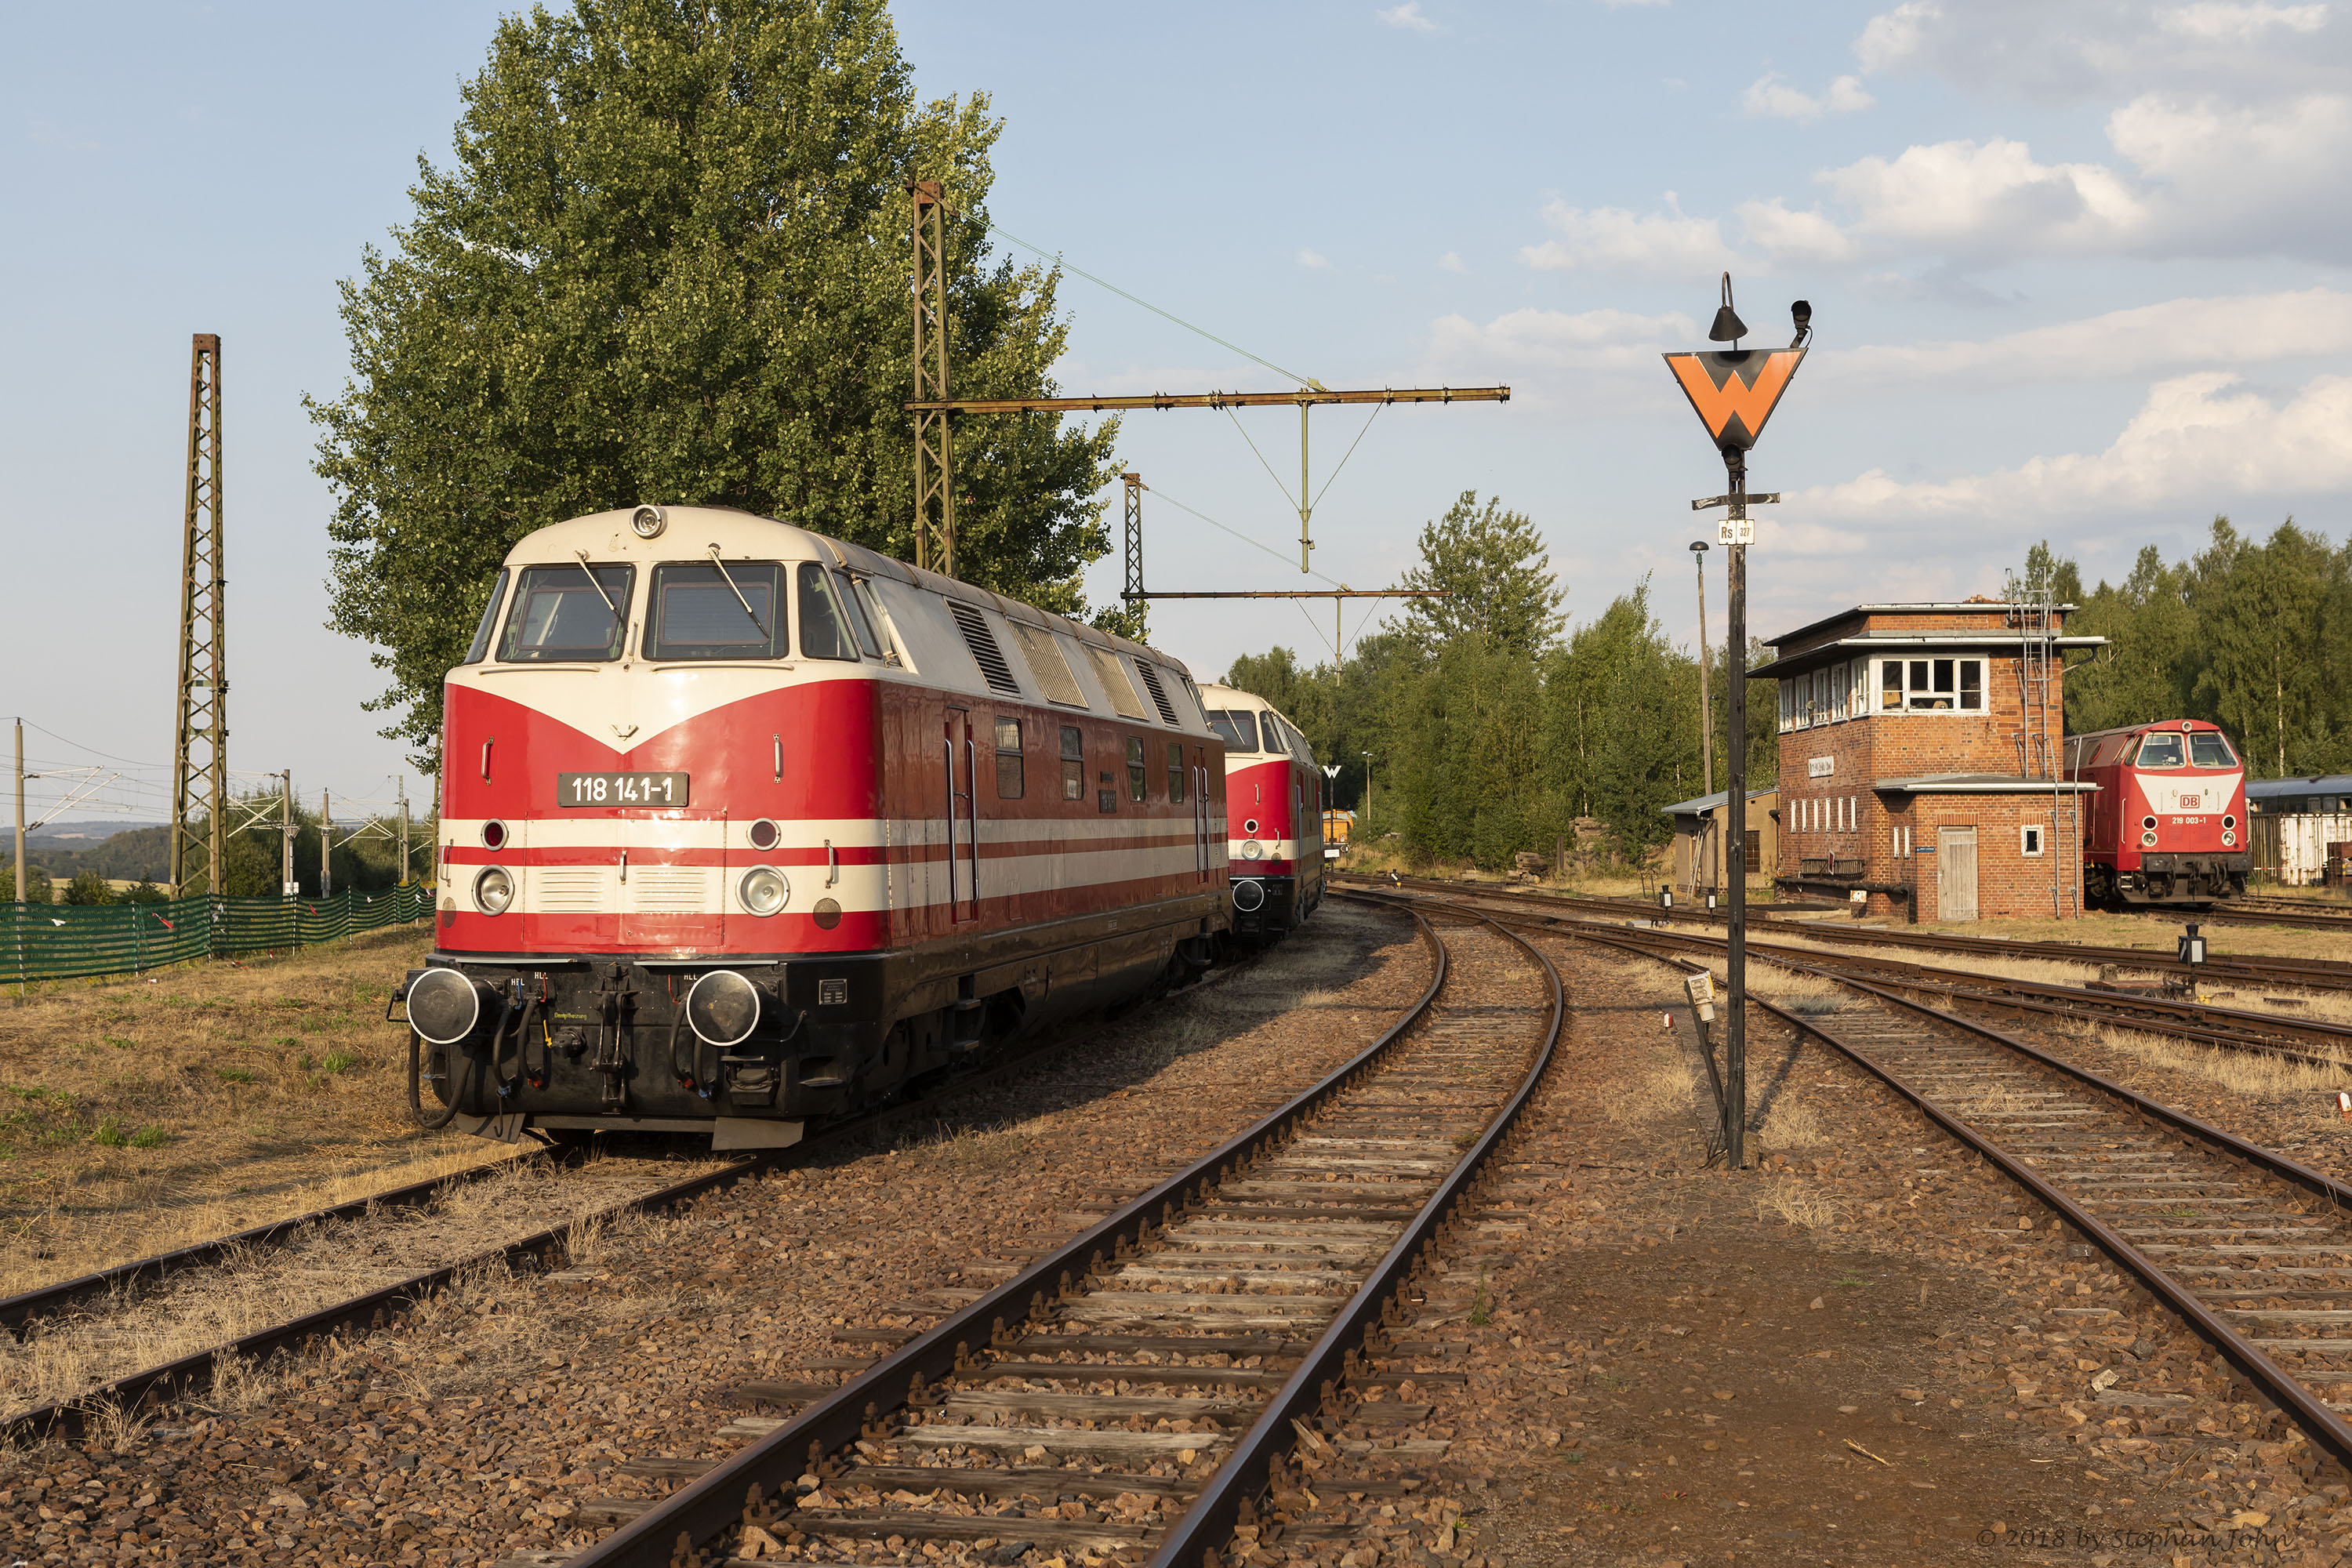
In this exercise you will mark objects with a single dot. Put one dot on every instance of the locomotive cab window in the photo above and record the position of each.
(1237, 727)
(1074, 762)
(1137, 773)
(2208, 749)
(861, 626)
(825, 625)
(2162, 749)
(488, 629)
(1176, 771)
(562, 614)
(1009, 782)
(702, 610)
(869, 605)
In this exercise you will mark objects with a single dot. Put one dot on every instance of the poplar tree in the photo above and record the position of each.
(669, 261)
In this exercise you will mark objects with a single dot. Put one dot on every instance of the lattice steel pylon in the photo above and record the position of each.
(200, 752)
(934, 453)
(1134, 589)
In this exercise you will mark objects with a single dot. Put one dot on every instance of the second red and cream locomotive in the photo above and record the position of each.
(743, 825)
(2167, 822)
(1274, 824)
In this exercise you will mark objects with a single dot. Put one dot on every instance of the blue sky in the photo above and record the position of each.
(2077, 267)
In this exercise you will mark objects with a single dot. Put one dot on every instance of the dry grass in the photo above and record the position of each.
(1801, 994)
(141, 1113)
(1798, 1203)
(2241, 1072)
(1793, 1126)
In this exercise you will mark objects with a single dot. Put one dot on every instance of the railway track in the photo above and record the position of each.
(2248, 969)
(2207, 1023)
(1140, 1389)
(393, 1245)
(2251, 1248)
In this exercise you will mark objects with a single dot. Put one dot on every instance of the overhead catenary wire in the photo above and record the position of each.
(1237, 533)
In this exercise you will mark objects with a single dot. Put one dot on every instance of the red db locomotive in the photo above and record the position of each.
(2167, 823)
(742, 825)
(1274, 797)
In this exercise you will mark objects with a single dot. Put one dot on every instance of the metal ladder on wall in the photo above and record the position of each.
(2036, 620)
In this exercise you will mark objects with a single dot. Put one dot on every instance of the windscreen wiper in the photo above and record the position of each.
(598, 586)
(740, 599)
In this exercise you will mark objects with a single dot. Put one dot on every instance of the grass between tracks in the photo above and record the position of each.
(141, 1113)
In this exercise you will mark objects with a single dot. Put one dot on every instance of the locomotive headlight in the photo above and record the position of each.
(723, 1008)
(2149, 823)
(2229, 838)
(764, 891)
(1249, 828)
(493, 890)
(444, 1005)
(2229, 822)
(647, 522)
(1248, 895)
(2147, 839)
(1252, 850)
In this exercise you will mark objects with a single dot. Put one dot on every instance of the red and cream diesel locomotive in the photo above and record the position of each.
(2167, 823)
(742, 825)
(1274, 799)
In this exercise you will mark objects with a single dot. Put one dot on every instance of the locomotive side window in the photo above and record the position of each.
(825, 627)
(1135, 770)
(2162, 749)
(700, 611)
(1074, 762)
(2208, 749)
(870, 606)
(1010, 785)
(2110, 749)
(488, 629)
(860, 626)
(562, 613)
(1237, 727)
(1175, 771)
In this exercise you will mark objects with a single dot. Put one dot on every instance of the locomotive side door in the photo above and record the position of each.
(962, 805)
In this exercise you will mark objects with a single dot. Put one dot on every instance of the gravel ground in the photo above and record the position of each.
(488, 1426)
(1872, 1351)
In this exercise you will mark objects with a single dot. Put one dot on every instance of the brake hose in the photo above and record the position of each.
(506, 1086)
(685, 1075)
(416, 1088)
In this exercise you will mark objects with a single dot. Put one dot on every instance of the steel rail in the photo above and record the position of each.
(68, 1417)
(2283, 1388)
(1208, 1524)
(671, 1530)
(17, 1310)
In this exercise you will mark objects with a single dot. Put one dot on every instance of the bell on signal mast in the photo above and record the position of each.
(1728, 327)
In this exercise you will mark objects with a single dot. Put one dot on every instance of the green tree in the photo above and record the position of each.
(2045, 571)
(37, 886)
(1493, 567)
(2141, 675)
(88, 887)
(670, 262)
(144, 891)
(2259, 618)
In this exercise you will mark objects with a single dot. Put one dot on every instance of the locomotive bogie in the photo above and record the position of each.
(779, 827)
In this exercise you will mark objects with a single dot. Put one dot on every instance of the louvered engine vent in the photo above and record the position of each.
(984, 651)
(1158, 693)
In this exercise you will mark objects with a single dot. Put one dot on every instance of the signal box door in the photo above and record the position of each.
(962, 805)
(1956, 873)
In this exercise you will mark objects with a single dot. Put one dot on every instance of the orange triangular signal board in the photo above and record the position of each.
(1734, 391)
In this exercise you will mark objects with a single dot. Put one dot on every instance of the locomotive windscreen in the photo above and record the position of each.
(700, 613)
(562, 613)
(1238, 726)
(2208, 749)
(2162, 751)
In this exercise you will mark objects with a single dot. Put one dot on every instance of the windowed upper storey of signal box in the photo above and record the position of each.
(1963, 678)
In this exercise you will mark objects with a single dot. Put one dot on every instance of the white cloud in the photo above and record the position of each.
(1896, 38)
(1614, 239)
(1794, 236)
(2197, 439)
(1314, 262)
(1408, 16)
(2147, 341)
(2240, 24)
(1990, 197)
(1451, 262)
(1771, 95)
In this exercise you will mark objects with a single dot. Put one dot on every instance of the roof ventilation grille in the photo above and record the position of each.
(984, 651)
(1158, 693)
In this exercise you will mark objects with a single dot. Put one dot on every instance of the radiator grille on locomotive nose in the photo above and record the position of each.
(568, 889)
(984, 651)
(1159, 694)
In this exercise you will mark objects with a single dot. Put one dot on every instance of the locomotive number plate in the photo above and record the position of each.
(620, 789)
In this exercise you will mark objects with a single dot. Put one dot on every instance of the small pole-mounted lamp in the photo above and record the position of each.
(2192, 946)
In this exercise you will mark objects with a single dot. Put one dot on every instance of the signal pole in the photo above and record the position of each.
(403, 830)
(200, 782)
(326, 844)
(21, 878)
(286, 836)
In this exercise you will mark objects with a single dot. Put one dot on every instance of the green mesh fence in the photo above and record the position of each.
(62, 942)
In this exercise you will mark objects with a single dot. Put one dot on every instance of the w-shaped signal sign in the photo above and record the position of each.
(1735, 392)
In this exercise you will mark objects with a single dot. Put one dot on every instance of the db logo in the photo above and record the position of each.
(2189, 801)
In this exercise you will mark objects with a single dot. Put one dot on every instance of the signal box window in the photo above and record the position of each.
(2162, 751)
(1009, 782)
(1932, 686)
(1175, 771)
(825, 625)
(561, 614)
(702, 611)
(2029, 840)
(1237, 727)
(1074, 762)
(1135, 771)
(2208, 749)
